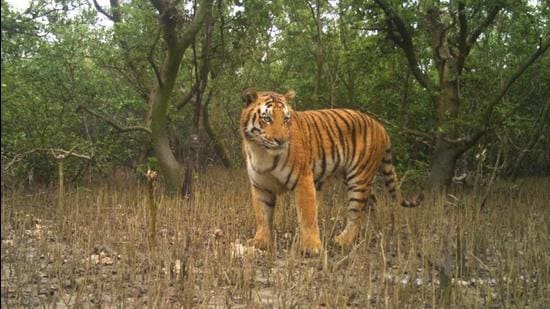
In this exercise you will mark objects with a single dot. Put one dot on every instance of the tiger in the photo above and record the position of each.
(287, 150)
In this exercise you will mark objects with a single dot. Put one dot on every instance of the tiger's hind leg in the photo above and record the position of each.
(264, 205)
(359, 198)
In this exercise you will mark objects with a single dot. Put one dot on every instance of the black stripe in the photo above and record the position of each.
(340, 138)
(353, 135)
(268, 203)
(359, 200)
(344, 120)
(275, 161)
(363, 160)
(255, 117)
(322, 153)
(363, 182)
(333, 147)
(311, 136)
(332, 136)
(247, 134)
(286, 159)
(345, 144)
(358, 169)
(315, 131)
(318, 186)
(263, 190)
(389, 181)
(354, 188)
(289, 175)
(296, 180)
(388, 173)
(307, 139)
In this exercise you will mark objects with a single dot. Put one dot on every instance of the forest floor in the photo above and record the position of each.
(94, 251)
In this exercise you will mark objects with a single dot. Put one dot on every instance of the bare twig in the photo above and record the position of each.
(491, 180)
(351, 252)
(54, 151)
(113, 122)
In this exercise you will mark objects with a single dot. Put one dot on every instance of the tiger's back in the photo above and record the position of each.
(342, 140)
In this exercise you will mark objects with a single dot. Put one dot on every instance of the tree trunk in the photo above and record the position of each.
(201, 79)
(443, 164)
(449, 61)
(171, 168)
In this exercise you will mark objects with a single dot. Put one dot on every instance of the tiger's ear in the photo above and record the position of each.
(249, 95)
(289, 96)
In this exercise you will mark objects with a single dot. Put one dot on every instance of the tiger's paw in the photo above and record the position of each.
(345, 239)
(311, 246)
(260, 242)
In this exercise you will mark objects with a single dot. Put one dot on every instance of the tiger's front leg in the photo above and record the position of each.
(306, 206)
(264, 204)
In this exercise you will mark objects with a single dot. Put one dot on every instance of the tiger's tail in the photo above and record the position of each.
(392, 185)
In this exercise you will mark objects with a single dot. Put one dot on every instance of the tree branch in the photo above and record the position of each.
(426, 135)
(20, 156)
(66, 153)
(472, 37)
(112, 122)
(462, 36)
(195, 24)
(484, 126)
(538, 53)
(187, 97)
(103, 11)
(537, 130)
(152, 61)
(406, 44)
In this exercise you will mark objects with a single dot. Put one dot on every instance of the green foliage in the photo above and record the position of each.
(57, 56)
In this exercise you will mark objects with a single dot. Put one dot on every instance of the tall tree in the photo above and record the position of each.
(451, 35)
(178, 31)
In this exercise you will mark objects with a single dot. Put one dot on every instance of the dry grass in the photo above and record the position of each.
(98, 253)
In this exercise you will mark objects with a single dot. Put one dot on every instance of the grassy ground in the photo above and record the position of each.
(447, 253)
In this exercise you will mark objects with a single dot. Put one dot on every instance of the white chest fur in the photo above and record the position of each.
(263, 167)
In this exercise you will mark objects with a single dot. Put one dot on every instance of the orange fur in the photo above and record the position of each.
(297, 151)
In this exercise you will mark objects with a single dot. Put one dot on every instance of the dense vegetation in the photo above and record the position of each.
(94, 93)
(462, 85)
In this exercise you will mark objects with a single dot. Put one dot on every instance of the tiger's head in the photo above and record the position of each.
(266, 118)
